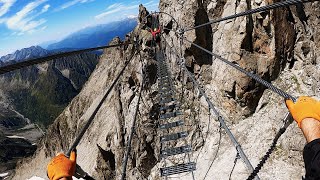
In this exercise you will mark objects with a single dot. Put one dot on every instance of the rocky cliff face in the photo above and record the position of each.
(280, 46)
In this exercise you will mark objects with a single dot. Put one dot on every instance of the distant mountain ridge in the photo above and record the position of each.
(96, 36)
(58, 80)
(25, 53)
(36, 94)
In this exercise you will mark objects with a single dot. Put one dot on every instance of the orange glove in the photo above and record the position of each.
(60, 166)
(305, 107)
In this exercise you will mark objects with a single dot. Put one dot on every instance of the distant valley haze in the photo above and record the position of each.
(55, 23)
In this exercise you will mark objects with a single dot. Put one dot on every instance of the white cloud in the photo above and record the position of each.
(6, 5)
(72, 3)
(149, 3)
(45, 8)
(44, 27)
(3, 20)
(115, 5)
(116, 8)
(23, 20)
(132, 16)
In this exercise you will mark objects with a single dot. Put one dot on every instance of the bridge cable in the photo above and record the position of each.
(220, 118)
(287, 119)
(91, 118)
(126, 157)
(253, 76)
(20, 65)
(234, 164)
(252, 11)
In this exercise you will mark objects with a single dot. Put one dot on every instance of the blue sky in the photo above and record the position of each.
(24, 23)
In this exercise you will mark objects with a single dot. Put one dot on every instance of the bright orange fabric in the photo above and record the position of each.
(60, 166)
(305, 107)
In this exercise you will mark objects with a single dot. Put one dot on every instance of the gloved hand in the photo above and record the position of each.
(305, 107)
(60, 166)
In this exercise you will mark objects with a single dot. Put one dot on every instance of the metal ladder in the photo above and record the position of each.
(169, 109)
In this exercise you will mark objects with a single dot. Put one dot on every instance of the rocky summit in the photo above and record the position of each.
(281, 46)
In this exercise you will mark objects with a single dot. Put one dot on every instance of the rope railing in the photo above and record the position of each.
(23, 64)
(249, 74)
(220, 118)
(91, 118)
(133, 127)
(252, 11)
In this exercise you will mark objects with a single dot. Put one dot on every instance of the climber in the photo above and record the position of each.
(155, 29)
(306, 112)
(62, 168)
(156, 35)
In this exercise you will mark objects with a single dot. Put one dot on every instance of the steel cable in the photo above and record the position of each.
(252, 11)
(254, 76)
(86, 126)
(220, 118)
(125, 159)
(287, 119)
(20, 65)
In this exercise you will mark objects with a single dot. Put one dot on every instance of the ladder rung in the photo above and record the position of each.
(180, 168)
(172, 125)
(167, 100)
(163, 71)
(164, 83)
(165, 91)
(169, 86)
(165, 80)
(176, 151)
(166, 96)
(163, 68)
(170, 115)
(163, 77)
(172, 137)
(169, 107)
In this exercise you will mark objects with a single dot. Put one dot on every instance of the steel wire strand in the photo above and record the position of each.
(234, 165)
(252, 11)
(216, 153)
(254, 76)
(128, 149)
(20, 65)
(91, 118)
(220, 119)
(287, 119)
(223, 124)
